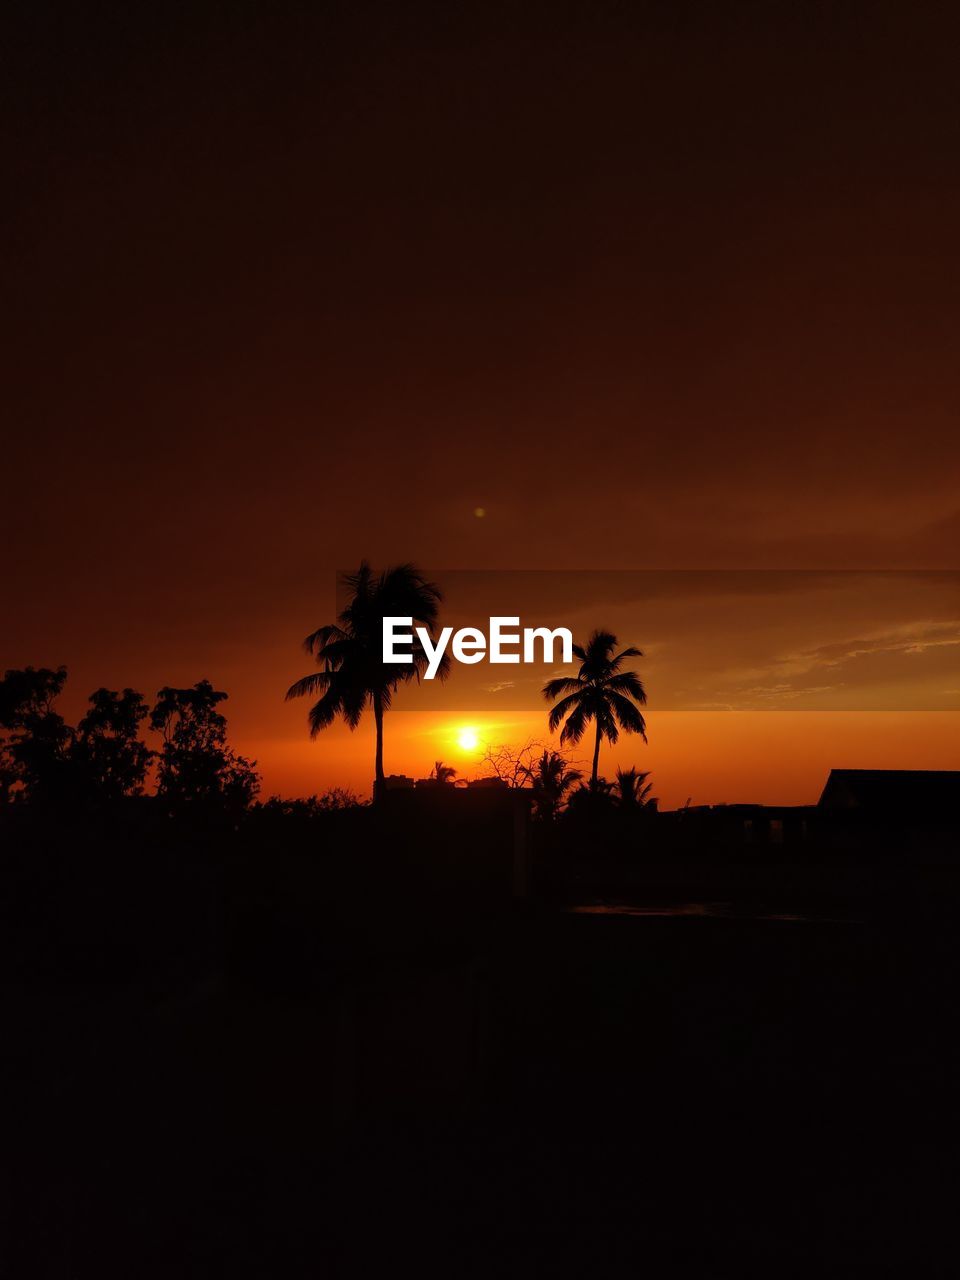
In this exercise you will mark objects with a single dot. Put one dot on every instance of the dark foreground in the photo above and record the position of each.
(531, 1092)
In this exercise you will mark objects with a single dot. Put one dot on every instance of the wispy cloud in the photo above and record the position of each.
(911, 638)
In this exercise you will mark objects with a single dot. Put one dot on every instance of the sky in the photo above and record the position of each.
(661, 287)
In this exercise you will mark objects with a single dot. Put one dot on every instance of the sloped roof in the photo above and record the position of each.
(919, 791)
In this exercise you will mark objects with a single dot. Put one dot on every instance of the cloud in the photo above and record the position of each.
(912, 638)
(894, 665)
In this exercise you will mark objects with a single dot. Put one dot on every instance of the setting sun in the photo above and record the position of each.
(467, 739)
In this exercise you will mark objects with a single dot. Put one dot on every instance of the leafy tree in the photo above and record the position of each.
(197, 767)
(112, 760)
(334, 800)
(350, 651)
(634, 789)
(9, 776)
(600, 692)
(34, 753)
(592, 800)
(551, 778)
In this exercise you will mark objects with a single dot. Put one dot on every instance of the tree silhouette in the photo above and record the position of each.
(333, 800)
(551, 778)
(600, 692)
(111, 759)
(443, 774)
(591, 800)
(634, 789)
(513, 766)
(196, 765)
(350, 651)
(34, 757)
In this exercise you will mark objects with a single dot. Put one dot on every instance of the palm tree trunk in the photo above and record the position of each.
(596, 759)
(379, 785)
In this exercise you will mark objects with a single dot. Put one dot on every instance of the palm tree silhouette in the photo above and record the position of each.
(600, 692)
(635, 789)
(443, 774)
(350, 651)
(551, 779)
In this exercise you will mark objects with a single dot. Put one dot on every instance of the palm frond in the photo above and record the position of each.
(562, 709)
(608, 725)
(627, 714)
(575, 726)
(323, 713)
(562, 684)
(353, 699)
(629, 684)
(616, 662)
(308, 685)
(320, 638)
(600, 645)
(629, 652)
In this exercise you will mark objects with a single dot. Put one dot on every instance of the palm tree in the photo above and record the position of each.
(601, 692)
(350, 651)
(551, 779)
(443, 774)
(635, 789)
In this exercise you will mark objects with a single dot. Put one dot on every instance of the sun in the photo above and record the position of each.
(467, 739)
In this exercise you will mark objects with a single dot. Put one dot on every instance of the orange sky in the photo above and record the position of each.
(759, 682)
(288, 290)
(710, 757)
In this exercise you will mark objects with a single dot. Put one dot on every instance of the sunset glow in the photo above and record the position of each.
(774, 410)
